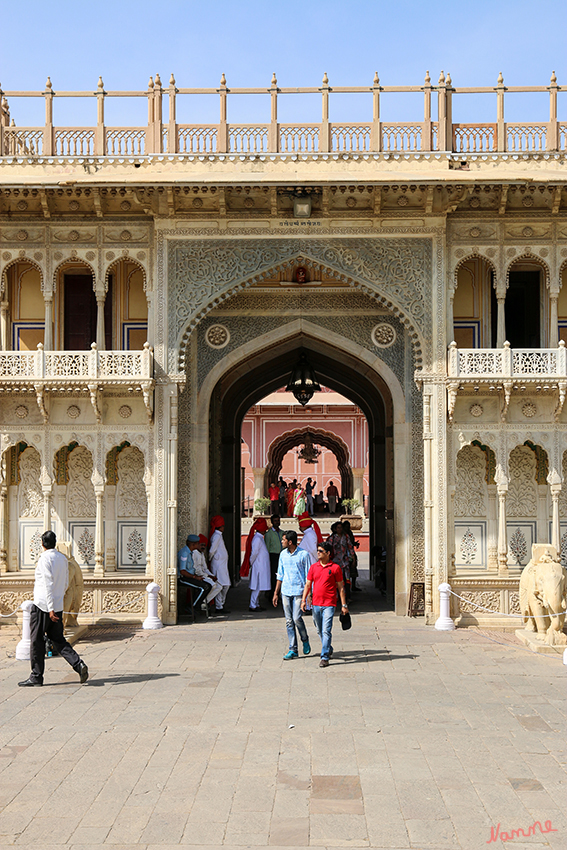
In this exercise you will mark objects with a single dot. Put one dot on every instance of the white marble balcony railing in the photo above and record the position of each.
(93, 371)
(500, 364)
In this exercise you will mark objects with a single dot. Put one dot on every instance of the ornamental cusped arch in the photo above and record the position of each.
(396, 273)
(473, 254)
(126, 258)
(73, 258)
(283, 443)
(23, 259)
(528, 255)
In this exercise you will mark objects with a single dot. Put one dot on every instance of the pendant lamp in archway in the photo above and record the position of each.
(302, 382)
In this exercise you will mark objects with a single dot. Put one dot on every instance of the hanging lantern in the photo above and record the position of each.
(302, 382)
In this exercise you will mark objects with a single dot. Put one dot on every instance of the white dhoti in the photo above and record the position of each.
(218, 556)
(260, 577)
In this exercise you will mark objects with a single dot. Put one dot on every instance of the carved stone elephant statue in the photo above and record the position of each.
(74, 593)
(543, 589)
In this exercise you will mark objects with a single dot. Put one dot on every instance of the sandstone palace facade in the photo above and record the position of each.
(150, 297)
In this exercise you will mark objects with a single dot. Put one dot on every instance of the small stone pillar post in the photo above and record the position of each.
(444, 623)
(24, 646)
(152, 621)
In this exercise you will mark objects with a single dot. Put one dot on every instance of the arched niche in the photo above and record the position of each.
(474, 310)
(283, 444)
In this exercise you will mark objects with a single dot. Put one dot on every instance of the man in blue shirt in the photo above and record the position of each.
(293, 566)
(186, 570)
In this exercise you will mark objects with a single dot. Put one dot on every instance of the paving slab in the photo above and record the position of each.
(200, 735)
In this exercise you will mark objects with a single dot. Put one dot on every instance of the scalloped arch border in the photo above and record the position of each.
(128, 259)
(15, 261)
(354, 283)
(527, 254)
(474, 255)
(77, 260)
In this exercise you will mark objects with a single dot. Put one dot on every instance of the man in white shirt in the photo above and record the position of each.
(46, 615)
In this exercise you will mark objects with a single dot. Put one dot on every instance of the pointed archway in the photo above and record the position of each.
(284, 443)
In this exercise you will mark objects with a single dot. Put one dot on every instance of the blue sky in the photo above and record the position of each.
(126, 41)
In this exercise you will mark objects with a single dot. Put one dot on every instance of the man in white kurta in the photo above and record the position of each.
(218, 559)
(260, 578)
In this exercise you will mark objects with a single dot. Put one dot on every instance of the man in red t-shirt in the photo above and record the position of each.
(326, 578)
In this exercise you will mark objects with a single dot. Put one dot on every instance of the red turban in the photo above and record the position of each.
(203, 540)
(259, 525)
(305, 521)
(216, 522)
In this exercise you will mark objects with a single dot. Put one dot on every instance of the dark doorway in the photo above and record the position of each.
(523, 326)
(81, 311)
(265, 372)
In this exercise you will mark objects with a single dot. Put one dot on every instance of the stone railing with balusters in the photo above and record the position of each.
(75, 371)
(374, 135)
(505, 369)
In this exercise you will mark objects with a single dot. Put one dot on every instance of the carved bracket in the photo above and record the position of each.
(40, 398)
(505, 400)
(452, 389)
(561, 392)
(148, 391)
(95, 399)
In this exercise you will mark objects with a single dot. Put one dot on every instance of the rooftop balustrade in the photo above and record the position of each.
(373, 136)
(77, 371)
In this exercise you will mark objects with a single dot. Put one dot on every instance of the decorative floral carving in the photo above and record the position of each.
(38, 255)
(141, 255)
(460, 252)
(528, 201)
(487, 598)
(125, 600)
(471, 485)
(73, 411)
(135, 547)
(10, 601)
(74, 205)
(529, 409)
(476, 409)
(22, 235)
(218, 336)
(383, 335)
(90, 255)
(86, 546)
(519, 546)
(469, 547)
(6, 255)
(351, 202)
(511, 252)
(521, 500)
(22, 206)
(73, 236)
(563, 550)
(514, 602)
(131, 491)
(87, 602)
(21, 411)
(528, 231)
(475, 232)
(248, 202)
(125, 206)
(563, 492)
(197, 203)
(35, 546)
(402, 201)
(80, 492)
(30, 488)
(57, 255)
(125, 411)
(125, 236)
(474, 202)
(110, 255)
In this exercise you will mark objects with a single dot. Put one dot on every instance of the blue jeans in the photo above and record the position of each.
(323, 619)
(293, 618)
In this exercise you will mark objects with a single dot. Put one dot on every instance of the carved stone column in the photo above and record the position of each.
(554, 481)
(100, 331)
(47, 490)
(427, 500)
(4, 314)
(148, 485)
(3, 527)
(553, 320)
(60, 499)
(501, 320)
(98, 484)
(358, 484)
(542, 514)
(502, 489)
(259, 476)
(492, 527)
(48, 331)
(110, 528)
(169, 593)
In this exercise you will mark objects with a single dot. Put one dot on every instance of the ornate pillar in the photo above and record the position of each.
(554, 481)
(47, 489)
(149, 539)
(427, 500)
(502, 489)
(100, 332)
(358, 484)
(98, 484)
(60, 499)
(169, 592)
(4, 313)
(3, 517)
(48, 331)
(259, 476)
(110, 528)
(501, 320)
(492, 527)
(542, 514)
(553, 320)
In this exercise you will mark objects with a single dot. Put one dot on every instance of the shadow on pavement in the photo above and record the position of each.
(360, 656)
(126, 679)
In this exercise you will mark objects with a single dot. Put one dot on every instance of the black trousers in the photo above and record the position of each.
(200, 587)
(40, 624)
(274, 561)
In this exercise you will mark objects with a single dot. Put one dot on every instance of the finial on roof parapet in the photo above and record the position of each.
(151, 83)
(325, 79)
(500, 79)
(223, 80)
(376, 79)
(274, 80)
(100, 84)
(427, 79)
(441, 78)
(48, 84)
(172, 80)
(553, 78)
(158, 81)
(448, 79)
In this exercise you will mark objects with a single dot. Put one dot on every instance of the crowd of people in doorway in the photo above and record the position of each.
(292, 499)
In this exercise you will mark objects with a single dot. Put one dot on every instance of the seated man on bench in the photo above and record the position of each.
(186, 574)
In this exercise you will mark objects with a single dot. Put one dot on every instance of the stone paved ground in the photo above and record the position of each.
(202, 735)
